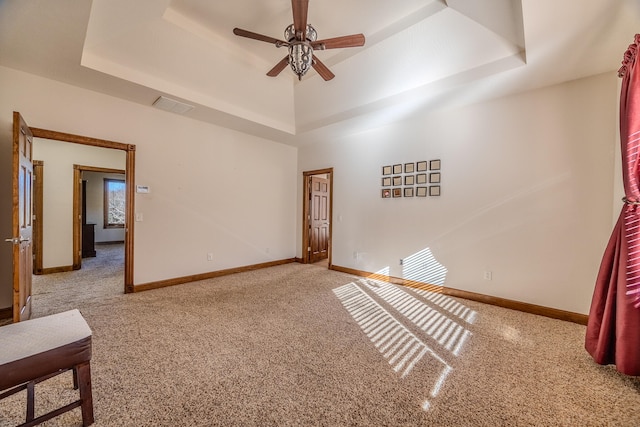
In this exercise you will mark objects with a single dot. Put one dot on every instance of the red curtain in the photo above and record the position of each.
(613, 330)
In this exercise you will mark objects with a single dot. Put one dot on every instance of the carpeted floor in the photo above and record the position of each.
(298, 345)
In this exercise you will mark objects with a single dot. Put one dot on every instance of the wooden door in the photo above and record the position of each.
(319, 224)
(22, 218)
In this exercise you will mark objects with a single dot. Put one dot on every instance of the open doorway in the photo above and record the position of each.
(24, 188)
(121, 251)
(99, 210)
(317, 213)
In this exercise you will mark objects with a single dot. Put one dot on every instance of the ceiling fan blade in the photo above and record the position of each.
(250, 35)
(279, 67)
(353, 40)
(322, 69)
(300, 9)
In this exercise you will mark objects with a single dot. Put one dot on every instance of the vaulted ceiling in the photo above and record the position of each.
(419, 54)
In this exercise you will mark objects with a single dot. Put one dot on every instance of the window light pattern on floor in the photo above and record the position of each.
(449, 304)
(448, 333)
(398, 345)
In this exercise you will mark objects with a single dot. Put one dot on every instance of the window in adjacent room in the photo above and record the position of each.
(114, 203)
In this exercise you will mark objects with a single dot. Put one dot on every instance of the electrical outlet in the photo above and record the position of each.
(488, 275)
(209, 256)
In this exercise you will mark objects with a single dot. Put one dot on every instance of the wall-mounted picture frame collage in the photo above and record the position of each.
(412, 179)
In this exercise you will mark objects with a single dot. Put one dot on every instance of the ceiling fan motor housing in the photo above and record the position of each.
(290, 33)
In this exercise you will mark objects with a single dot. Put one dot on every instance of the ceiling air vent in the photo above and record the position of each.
(172, 105)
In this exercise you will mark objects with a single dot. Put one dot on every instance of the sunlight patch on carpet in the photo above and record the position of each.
(447, 332)
(399, 346)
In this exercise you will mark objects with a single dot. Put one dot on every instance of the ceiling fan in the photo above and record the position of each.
(301, 40)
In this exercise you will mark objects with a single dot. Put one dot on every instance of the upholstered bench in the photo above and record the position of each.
(36, 350)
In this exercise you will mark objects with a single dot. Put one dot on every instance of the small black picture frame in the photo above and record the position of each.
(386, 193)
(397, 192)
(409, 179)
(421, 178)
(434, 190)
(408, 191)
(434, 165)
(434, 178)
(421, 191)
(397, 180)
(421, 166)
(386, 170)
(409, 167)
(397, 169)
(386, 181)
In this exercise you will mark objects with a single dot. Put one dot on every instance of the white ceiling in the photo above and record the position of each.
(419, 54)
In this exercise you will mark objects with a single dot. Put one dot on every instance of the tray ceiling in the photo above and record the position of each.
(418, 54)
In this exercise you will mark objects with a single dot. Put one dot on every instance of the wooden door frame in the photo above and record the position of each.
(130, 151)
(38, 188)
(306, 180)
(77, 207)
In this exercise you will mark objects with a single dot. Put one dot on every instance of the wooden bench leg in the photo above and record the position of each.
(84, 384)
(75, 378)
(31, 395)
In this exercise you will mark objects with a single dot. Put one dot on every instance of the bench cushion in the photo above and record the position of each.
(41, 346)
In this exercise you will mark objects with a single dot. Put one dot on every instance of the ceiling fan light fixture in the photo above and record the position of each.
(300, 58)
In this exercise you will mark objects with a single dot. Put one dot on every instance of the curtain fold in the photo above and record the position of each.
(613, 329)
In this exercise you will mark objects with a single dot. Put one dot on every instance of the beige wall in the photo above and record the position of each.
(213, 190)
(527, 184)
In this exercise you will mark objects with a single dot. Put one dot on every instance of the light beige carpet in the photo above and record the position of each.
(298, 345)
